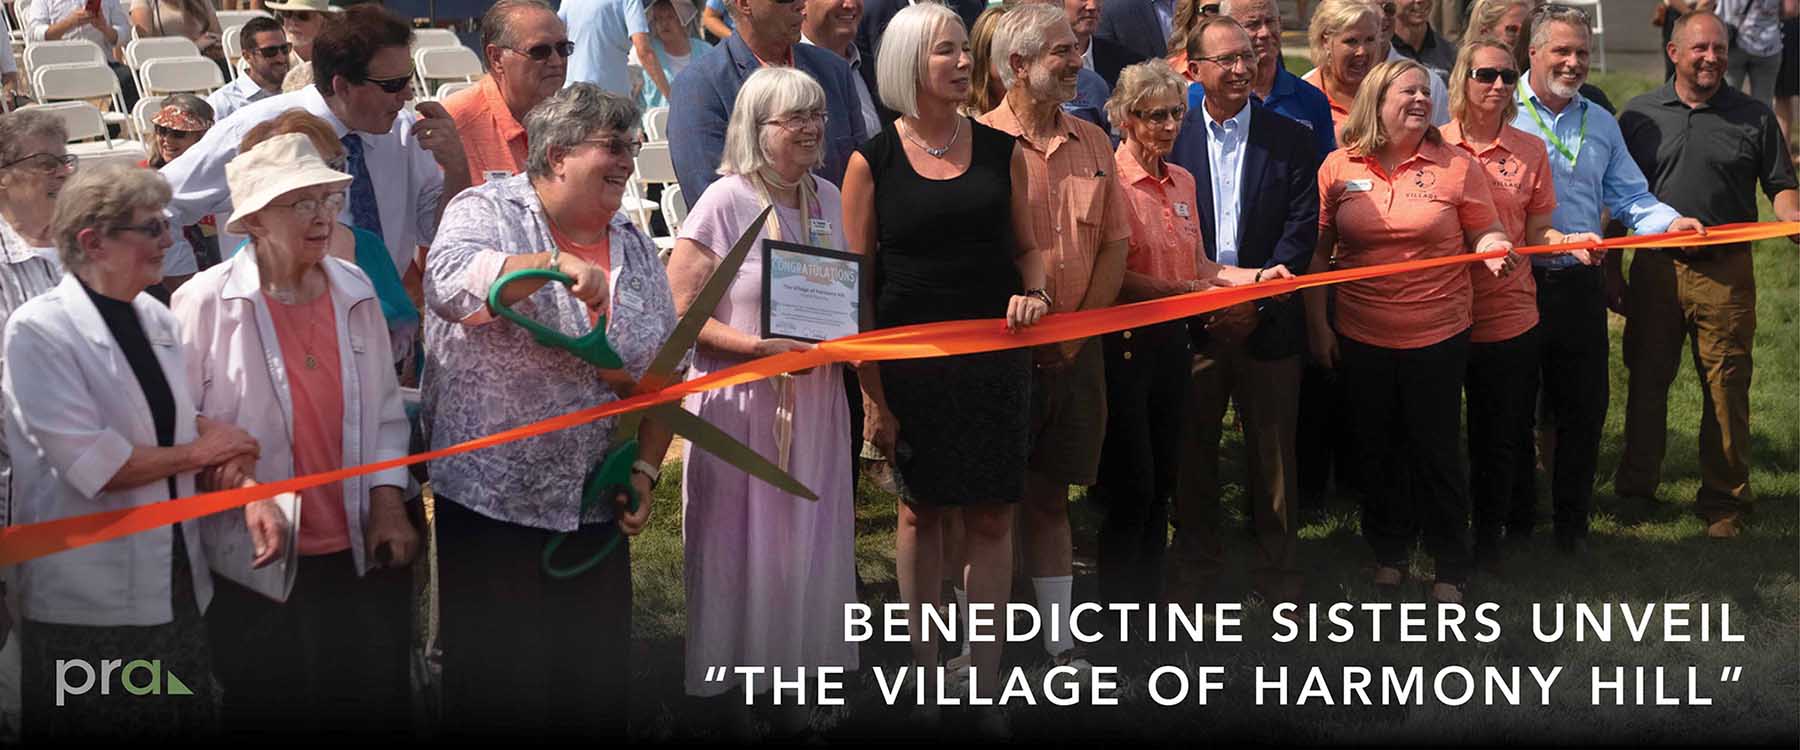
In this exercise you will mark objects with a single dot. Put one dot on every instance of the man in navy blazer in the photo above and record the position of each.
(1130, 32)
(706, 90)
(1256, 175)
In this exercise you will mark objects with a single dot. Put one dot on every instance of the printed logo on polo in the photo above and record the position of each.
(137, 677)
(1424, 180)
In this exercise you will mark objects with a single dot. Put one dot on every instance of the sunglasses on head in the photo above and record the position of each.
(391, 85)
(274, 50)
(1489, 75)
(541, 52)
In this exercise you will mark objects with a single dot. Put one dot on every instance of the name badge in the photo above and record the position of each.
(1181, 209)
(1358, 186)
(819, 227)
(495, 174)
(628, 296)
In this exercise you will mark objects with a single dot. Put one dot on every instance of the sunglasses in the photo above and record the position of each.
(1160, 116)
(1209, 9)
(618, 146)
(42, 162)
(1489, 75)
(164, 131)
(296, 15)
(310, 206)
(274, 50)
(391, 85)
(154, 229)
(564, 49)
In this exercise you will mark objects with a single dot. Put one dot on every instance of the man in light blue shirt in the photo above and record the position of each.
(1593, 172)
(604, 31)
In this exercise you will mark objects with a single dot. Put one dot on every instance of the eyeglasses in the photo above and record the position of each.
(798, 120)
(1231, 61)
(1507, 76)
(1160, 116)
(391, 85)
(310, 206)
(541, 52)
(42, 162)
(618, 146)
(295, 15)
(164, 131)
(1389, 9)
(154, 229)
(275, 50)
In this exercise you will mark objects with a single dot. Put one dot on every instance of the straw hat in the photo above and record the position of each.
(274, 168)
(316, 6)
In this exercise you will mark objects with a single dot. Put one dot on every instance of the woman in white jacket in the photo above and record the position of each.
(290, 344)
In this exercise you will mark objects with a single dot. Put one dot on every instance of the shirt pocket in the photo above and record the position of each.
(1086, 198)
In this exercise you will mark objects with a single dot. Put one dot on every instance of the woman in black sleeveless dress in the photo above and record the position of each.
(931, 199)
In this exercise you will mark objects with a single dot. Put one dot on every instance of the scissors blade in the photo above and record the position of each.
(687, 330)
(713, 440)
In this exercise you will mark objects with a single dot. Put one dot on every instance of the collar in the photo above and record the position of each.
(855, 58)
(1667, 96)
(1430, 40)
(1575, 105)
(1005, 120)
(14, 248)
(1132, 173)
(1508, 140)
(1284, 83)
(86, 315)
(1437, 152)
(518, 191)
(243, 280)
(313, 102)
(1242, 118)
(504, 122)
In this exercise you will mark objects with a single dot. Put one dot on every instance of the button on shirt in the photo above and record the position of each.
(1706, 161)
(601, 31)
(1165, 224)
(1519, 173)
(1225, 150)
(493, 140)
(1603, 176)
(407, 178)
(233, 96)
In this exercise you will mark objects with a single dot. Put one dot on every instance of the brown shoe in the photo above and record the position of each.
(1725, 526)
(1388, 577)
(1445, 593)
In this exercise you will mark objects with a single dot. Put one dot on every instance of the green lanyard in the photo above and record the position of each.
(1550, 133)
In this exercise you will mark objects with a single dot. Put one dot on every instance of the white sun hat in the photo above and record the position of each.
(275, 167)
(316, 6)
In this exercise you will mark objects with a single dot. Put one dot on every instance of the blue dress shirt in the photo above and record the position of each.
(1225, 149)
(1296, 100)
(1602, 177)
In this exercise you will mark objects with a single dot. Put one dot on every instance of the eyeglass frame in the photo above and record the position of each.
(1249, 59)
(284, 15)
(1175, 113)
(632, 146)
(281, 50)
(164, 131)
(564, 49)
(390, 85)
(66, 160)
(821, 116)
(341, 197)
(155, 229)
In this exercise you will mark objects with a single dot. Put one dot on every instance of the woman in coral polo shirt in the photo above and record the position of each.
(1397, 192)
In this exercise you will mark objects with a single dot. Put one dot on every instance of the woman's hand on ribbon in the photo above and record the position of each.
(1024, 311)
(268, 530)
(772, 347)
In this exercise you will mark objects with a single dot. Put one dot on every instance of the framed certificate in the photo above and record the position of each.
(810, 293)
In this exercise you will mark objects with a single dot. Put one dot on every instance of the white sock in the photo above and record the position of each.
(1058, 593)
(962, 614)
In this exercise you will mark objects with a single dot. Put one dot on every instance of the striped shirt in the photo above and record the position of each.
(25, 272)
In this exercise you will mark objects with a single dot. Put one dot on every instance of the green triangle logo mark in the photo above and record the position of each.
(175, 686)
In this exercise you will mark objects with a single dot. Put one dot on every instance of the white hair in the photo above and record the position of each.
(769, 93)
(905, 47)
(1023, 31)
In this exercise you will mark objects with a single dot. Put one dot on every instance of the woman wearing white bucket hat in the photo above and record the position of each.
(290, 345)
(301, 20)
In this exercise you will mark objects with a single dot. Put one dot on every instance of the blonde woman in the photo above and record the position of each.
(1345, 42)
(985, 89)
(1395, 192)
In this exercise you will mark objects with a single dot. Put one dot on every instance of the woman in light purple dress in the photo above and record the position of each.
(768, 573)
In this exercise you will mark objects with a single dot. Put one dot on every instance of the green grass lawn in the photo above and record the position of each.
(1641, 553)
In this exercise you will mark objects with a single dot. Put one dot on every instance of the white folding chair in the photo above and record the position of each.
(88, 82)
(147, 106)
(674, 212)
(234, 47)
(452, 87)
(457, 63)
(60, 52)
(230, 18)
(656, 124)
(86, 130)
(426, 38)
(172, 75)
(654, 165)
(141, 51)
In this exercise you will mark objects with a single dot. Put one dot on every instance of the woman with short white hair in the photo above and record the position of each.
(925, 198)
(768, 573)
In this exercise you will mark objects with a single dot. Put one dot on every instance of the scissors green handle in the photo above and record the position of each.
(604, 481)
(591, 347)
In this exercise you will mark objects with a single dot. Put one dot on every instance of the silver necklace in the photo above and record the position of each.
(937, 153)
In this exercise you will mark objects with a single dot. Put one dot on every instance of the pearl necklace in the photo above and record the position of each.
(937, 153)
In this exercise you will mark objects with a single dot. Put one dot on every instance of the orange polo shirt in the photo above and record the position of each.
(1340, 112)
(1075, 200)
(492, 139)
(1420, 211)
(1165, 223)
(1518, 171)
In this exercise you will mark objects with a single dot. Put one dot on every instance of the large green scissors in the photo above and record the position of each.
(612, 475)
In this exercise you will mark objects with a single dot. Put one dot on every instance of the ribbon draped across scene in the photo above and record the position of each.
(20, 543)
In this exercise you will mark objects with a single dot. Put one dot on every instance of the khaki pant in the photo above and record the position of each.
(1267, 398)
(1711, 301)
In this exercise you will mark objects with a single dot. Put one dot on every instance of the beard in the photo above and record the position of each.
(1047, 87)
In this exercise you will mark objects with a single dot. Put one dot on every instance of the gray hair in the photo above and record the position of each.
(578, 112)
(905, 47)
(497, 23)
(1548, 14)
(769, 93)
(102, 198)
(17, 126)
(1023, 31)
(1145, 80)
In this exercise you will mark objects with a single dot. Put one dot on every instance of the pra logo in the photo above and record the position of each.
(157, 683)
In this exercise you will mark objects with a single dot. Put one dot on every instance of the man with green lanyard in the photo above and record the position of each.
(1594, 173)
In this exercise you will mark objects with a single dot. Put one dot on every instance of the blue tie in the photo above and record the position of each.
(364, 211)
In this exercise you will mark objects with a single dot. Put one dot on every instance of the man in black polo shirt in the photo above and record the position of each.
(1704, 147)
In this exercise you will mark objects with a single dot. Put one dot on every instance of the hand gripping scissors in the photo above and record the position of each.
(612, 475)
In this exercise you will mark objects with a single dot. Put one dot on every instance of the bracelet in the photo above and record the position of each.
(653, 473)
(1040, 294)
(1258, 278)
(555, 257)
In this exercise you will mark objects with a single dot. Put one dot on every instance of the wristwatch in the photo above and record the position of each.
(650, 471)
(1040, 294)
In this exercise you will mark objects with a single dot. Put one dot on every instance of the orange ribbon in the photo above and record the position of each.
(20, 543)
